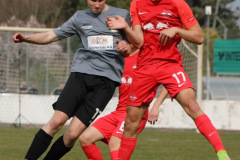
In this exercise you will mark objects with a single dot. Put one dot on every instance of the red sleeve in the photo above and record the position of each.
(186, 14)
(134, 13)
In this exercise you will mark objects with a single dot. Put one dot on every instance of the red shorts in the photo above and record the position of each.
(113, 125)
(146, 80)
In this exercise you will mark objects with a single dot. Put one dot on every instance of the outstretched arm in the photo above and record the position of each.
(134, 34)
(154, 112)
(38, 38)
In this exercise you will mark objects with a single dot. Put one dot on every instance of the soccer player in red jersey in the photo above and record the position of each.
(163, 23)
(109, 128)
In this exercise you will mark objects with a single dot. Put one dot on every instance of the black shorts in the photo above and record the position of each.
(85, 96)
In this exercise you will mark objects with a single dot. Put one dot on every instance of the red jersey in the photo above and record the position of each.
(126, 81)
(155, 17)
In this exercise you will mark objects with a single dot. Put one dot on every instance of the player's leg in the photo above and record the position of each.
(116, 134)
(88, 139)
(132, 122)
(99, 91)
(180, 87)
(115, 140)
(114, 145)
(65, 143)
(68, 102)
(101, 129)
(57, 121)
(187, 100)
(141, 94)
(44, 136)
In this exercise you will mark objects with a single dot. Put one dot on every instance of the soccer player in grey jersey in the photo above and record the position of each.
(96, 71)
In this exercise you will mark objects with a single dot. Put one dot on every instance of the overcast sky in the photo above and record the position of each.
(233, 7)
(235, 4)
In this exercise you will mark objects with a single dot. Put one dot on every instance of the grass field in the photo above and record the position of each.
(153, 144)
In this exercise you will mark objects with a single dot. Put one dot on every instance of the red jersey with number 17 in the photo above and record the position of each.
(155, 17)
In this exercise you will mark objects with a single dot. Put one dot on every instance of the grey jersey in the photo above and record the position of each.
(99, 55)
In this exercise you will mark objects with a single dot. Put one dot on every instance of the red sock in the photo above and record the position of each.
(126, 148)
(92, 152)
(206, 128)
(114, 155)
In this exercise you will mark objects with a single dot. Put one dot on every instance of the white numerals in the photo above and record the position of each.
(179, 80)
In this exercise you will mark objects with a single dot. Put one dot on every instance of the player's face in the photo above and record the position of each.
(97, 6)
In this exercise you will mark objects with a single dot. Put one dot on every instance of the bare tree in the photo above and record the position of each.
(51, 13)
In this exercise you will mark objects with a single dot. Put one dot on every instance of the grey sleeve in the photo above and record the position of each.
(67, 29)
(128, 19)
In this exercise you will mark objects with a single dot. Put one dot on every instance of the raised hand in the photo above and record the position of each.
(116, 23)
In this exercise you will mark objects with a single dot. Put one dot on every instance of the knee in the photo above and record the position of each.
(114, 145)
(133, 120)
(84, 140)
(193, 109)
(131, 123)
(71, 135)
(110, 144)
(193, 106)
(55, 124)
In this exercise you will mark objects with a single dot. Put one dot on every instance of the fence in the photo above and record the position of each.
(46, 66)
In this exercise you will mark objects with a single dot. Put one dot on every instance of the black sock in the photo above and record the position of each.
(39, 145)
(57, 150)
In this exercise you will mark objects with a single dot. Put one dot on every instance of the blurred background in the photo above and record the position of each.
(32, 76)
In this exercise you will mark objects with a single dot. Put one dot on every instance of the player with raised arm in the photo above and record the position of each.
(96, 71)
(163, 23)
(109, 128)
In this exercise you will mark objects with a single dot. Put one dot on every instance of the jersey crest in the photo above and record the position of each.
(127, 80)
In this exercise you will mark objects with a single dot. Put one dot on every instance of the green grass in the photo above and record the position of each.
(153, 144)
